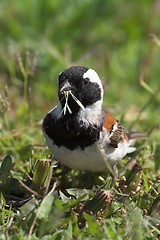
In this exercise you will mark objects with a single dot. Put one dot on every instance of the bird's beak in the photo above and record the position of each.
(66, 89)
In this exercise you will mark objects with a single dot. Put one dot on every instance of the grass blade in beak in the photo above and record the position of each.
(77, 101)
(66, 106)
(69, 110)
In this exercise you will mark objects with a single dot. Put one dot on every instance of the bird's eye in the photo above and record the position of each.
(86, 81)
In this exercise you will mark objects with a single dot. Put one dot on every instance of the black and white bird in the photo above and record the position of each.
(78, 132)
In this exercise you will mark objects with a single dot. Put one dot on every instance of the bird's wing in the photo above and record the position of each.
(115, 130)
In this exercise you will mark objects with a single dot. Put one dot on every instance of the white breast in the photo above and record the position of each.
(94, 158)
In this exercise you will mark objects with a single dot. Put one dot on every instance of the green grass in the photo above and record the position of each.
(38, 39)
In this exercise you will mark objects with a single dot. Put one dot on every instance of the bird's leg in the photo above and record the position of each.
(115, 170)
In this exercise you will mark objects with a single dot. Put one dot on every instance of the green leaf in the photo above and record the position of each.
(145, 182)
(76, 193)
(6, 164)
(70, 231)
(92, 224)
(2, 199)
(45, 206)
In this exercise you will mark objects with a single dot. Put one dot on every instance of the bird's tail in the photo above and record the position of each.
(133, 137)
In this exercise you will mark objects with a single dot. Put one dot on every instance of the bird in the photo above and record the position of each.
(78, 132)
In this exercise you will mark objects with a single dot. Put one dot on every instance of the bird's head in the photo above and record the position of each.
(79, 88)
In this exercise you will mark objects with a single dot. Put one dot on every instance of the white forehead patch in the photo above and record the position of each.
(93, 76)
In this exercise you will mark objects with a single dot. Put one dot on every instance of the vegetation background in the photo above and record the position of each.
(119, 39)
